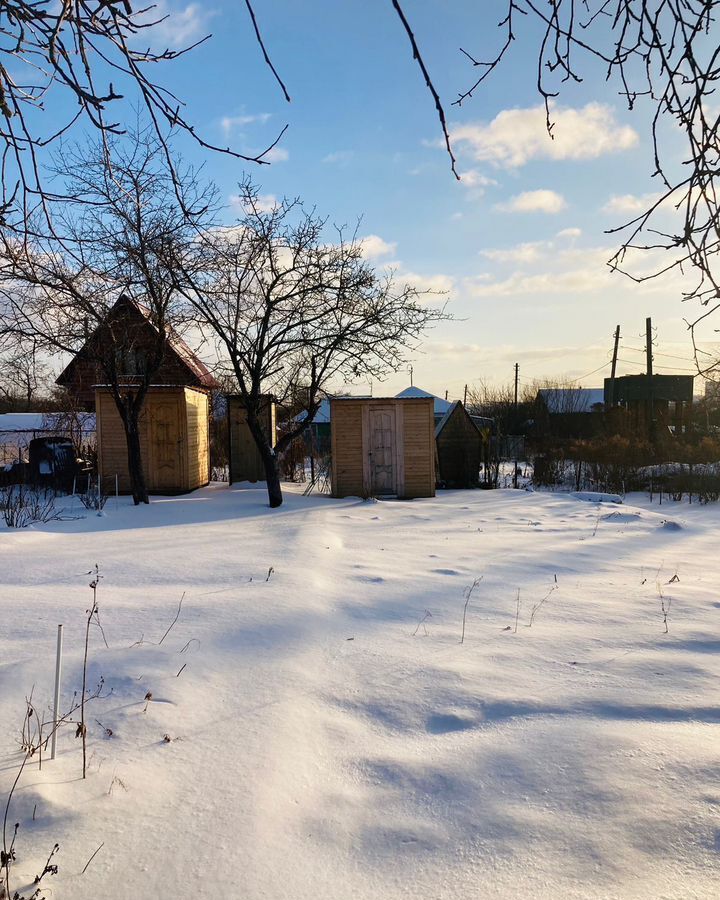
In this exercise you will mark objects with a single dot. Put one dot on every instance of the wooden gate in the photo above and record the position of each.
(383, 476)
(165, 471)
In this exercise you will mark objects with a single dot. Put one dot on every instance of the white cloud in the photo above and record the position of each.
(339, 157)
(373, 246)
(534, 201)
(276, 155)
(521, 253)
(572, 281)
(515, 136)
(629, 204)
(570, 271)
(180, 25)
(438, 282)
(230, 123)
(569, 233)
(265, 202)
(472, 178)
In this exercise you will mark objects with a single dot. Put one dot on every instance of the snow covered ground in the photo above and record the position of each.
(330, 735)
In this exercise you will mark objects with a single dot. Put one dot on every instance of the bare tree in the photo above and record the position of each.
(24, 376)
(664, 58)
(288, 307)
(89, 52)
(90, 284)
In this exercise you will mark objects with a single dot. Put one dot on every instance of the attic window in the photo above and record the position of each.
(130, 361)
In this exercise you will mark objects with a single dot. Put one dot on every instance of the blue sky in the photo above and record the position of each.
(518, 244)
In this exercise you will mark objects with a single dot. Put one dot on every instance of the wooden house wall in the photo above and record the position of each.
(245, 460)
(139, 337)
(459, 451)
(347, 449)
(413, 424)
(198, 433)
(174, 440)
(111, 444)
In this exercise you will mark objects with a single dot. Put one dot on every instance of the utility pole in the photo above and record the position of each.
(614, 366)
(465, 397)
(410, 370)
(515, 406)
(649, 372)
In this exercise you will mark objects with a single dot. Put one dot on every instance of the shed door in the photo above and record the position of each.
(246, 463)
(382, 451)
(166, 450)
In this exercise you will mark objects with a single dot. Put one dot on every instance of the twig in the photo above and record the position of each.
(665, 604)
(183, 666)
(468, 595)
(428, 82)
(539, 604)
(517, 611)
(428, 615)
(92, 858)
(177, 616)
(264, 51)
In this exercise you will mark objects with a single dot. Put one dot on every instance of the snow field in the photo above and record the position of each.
(331, 737)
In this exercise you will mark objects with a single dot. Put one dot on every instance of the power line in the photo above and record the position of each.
(633, 362)
(657, 353)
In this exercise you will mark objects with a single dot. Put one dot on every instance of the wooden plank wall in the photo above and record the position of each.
(111, 443)
(414, 443)
(197, 406)
(194, 446)
(419, 447)
(245, 461)
(346, 429)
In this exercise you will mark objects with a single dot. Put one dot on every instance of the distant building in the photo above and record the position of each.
(665, 400)
(440, 406)
(568, 412)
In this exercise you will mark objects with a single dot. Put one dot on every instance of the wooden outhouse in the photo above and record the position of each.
(245, 461)
(459, 445)
(383, 447)
(174, 439)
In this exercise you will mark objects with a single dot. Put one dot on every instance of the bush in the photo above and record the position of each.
(22, 506)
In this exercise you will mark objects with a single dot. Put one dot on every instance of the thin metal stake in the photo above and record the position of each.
(56, 704)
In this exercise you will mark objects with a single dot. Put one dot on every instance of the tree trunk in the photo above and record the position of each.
(269, 458)
(135, 464)
(272, 477)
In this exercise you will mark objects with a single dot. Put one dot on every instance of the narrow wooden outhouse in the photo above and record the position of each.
(174, 439)
(459, 446)
(383, 446)
(245, 461)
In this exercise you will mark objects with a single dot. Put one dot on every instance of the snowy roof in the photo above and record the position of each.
(39, 421)
(322, 416)
(572, 400)
(441, 406)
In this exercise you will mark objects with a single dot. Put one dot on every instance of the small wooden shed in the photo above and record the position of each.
(459, 445)
(383, 446)
(174, 439)
(245, 461)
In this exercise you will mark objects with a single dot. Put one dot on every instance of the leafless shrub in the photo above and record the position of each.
(94, 496)
(22, 506)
